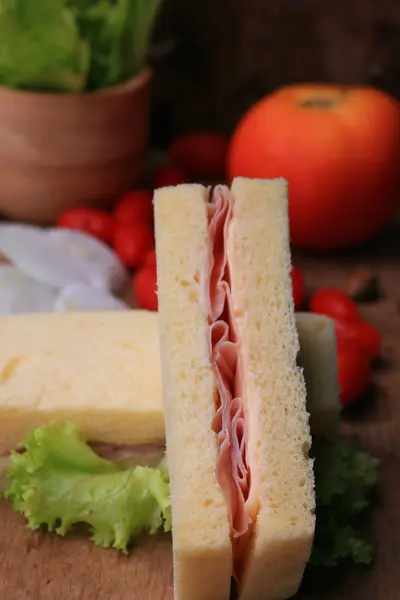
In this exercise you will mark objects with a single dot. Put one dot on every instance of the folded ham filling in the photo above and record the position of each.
(229, 423)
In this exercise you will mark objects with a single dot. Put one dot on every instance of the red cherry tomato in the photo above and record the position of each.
(169, 175)
(361, 333)
(151, 259)
(135, 207)
(299, 288)
(354, 373)
(92, 221)
(334, 303)
(132, 243)
(145, 288)
(201, 154)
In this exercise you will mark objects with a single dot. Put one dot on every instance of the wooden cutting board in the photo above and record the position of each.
(39, 566)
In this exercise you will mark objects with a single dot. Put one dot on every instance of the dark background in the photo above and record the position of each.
(213, 58)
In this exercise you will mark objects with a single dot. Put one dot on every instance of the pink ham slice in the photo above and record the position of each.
(229, 424)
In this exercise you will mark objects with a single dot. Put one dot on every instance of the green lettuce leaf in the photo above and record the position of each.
(118, 33)
(344, 478)
(73, 45)
(133, 48)
(41, 47)
(59, 481)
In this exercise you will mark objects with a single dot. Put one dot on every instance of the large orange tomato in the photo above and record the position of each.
(339, 149)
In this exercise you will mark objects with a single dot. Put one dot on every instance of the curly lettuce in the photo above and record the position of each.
(73, 46)
(344, 479)
(59, 482)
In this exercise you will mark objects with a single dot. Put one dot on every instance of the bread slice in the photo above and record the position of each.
(100, 370)
(202, 549)
(318, 358)
(278, 436)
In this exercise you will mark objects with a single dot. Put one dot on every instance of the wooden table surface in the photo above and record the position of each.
(37, 566)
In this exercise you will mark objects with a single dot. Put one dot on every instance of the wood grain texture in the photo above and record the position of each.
(38, 566)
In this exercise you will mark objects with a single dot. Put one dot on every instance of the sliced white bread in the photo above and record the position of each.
(100, 370)
(202, 549)
(318, 358)
(279, 434)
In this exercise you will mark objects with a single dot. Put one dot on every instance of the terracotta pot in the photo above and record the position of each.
(59, 151)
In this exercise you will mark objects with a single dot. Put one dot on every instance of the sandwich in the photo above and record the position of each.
(99, 370)
(237, 427)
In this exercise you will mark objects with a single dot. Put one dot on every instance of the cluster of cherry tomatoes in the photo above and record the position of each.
(358, 342)
(129, 231)
(129, 228)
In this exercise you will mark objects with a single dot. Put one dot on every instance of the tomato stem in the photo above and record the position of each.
(321, 103)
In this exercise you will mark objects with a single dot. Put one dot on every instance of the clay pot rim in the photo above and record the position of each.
(139, 81)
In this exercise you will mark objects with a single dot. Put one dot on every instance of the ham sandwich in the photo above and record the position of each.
(237, 431)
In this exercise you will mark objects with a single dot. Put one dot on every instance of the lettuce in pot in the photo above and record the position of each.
(73, 46)
(41, 47)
